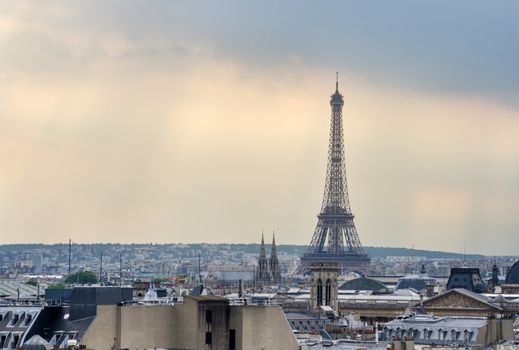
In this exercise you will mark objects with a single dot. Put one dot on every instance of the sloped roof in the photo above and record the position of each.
(36, 343)
(364, 283)
(416, 282)
(200, 291)
(513, 275)
(466, 277)
(233, 275)
(9, 287)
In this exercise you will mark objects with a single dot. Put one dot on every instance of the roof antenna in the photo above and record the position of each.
(464, 254)
(336, 82)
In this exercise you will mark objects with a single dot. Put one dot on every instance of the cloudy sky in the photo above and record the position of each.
(165, 121)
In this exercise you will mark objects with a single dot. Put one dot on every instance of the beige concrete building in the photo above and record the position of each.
(204, 322)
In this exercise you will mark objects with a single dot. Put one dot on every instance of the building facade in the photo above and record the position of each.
(268, 270)
(324, 288)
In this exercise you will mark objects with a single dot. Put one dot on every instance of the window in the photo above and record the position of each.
(15, 319)
(319, 292)
(28, 319)
(328, 296)
(209, 337)
(468, 335)
(209, 316)
(471, 334)
(425, 333)
(16, 339)
(232, 339)
(416, 334)
(455, 335)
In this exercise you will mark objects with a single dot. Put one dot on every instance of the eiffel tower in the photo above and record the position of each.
(335, 238)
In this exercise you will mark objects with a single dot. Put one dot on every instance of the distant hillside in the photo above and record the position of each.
(252, 248)
(429, 254)
(374, 252)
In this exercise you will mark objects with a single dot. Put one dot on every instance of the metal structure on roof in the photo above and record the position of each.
(335, 238)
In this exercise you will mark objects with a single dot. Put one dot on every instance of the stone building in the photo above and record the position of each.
(107, 318)
(462, 302)
(324, 288)
(268, 271)
(449, 331)
(203, 322)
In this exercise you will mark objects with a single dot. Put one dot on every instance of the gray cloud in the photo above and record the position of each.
(440, 46)
(443, 46)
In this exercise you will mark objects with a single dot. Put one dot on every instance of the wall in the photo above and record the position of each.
(261, 328)
(102, 333)
(147, 326)
(187, 318)
(183, 326)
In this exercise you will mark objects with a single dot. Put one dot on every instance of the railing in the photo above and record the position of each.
(250, 301)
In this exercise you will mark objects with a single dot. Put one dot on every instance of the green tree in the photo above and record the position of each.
(81, 277)
(31, 283)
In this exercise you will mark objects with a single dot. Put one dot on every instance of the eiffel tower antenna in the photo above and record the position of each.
(335, 238)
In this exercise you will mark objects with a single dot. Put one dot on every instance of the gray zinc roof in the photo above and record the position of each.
(9, 287)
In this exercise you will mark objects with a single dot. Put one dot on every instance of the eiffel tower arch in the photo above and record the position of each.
(335, 238)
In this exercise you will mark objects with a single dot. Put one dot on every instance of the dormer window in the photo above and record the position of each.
(28, 319)
(14, 320)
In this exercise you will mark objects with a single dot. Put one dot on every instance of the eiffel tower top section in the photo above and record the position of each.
(335, 199)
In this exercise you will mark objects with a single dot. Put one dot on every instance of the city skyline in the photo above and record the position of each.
(125, 122)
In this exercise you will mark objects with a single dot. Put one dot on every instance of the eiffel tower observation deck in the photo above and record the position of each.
(335, 238)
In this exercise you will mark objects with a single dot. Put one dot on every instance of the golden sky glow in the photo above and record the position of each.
(107, 136)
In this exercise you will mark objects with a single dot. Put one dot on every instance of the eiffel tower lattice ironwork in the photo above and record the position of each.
(335, 237)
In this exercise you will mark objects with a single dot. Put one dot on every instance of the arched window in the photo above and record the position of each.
(425, 333)
(319, 292)
(328, 292)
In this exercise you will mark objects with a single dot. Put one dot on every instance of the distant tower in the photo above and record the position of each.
(494, 281)
(495, 274)
(262, 273)
(274, 263)
(335, 238)
(324, 286)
